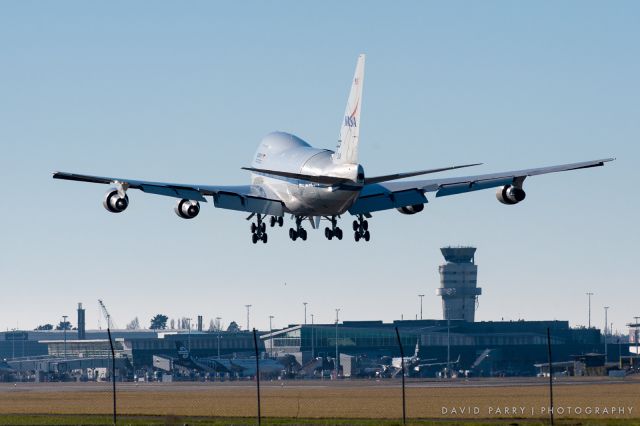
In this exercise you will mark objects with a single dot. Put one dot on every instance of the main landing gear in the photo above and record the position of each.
(258, 230)
(361, 229)
(299, 231)
(259, 227)
(334, 231)
(273, 220)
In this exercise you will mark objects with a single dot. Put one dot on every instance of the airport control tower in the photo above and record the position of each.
(458, 283)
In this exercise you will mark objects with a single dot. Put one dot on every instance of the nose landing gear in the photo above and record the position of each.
(361, 229)
(299, 231)
(334, 231)
(259, 230)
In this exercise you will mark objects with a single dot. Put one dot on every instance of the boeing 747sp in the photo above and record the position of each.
(290, 177)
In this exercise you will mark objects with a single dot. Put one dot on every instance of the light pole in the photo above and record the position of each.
(219, 331)
(312, 338)
(64, 327)
(448, 345)
(189, 335)
(589, 294)
(421, 296)
(635, 334)
(13, 343)
(248, 306)
(305, 312)
(611, 330)
(271, 335)
(606, 308)
(337, 319)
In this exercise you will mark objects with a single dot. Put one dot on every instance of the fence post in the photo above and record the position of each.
(255, 345)
(550, 376)
(113, 374)
(404, 406)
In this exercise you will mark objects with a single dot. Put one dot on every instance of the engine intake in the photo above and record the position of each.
(510, 194)
(413, 209)
(187, 209)
(114, 203)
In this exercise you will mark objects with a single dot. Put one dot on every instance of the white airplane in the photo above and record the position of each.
(289, 176)
(409, 362)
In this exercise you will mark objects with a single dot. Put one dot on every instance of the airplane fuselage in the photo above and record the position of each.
(287, 153)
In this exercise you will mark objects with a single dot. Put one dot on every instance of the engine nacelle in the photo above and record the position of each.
(114, 203)
(187, 209)
(416, 208)
(510, 194)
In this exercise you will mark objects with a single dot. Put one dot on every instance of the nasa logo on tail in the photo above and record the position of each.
(350, 121)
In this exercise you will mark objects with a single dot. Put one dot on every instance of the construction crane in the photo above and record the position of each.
(107, 316)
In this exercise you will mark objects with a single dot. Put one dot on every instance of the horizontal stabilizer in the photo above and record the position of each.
(386, 178)
(325, 180)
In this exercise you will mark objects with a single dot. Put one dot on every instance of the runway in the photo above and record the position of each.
(314, 384)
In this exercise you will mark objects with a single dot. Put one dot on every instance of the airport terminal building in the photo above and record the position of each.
(485, 348)
(488, 348)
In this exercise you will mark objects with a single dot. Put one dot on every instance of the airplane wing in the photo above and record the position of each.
(249, 198)
(437, 364)
(392, 195)
(5, 368)
(331, 180)
(396, 176)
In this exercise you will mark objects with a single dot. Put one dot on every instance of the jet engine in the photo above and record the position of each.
(187, 209)
(416, 208)
(510, 194)
(114, 203)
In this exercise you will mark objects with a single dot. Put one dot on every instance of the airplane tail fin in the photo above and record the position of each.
(415, 353)
(347, 151)
(183, 352)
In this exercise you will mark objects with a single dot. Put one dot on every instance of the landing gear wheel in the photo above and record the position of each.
(361, 229)
(272, 221)
(338, 233)
(328, 233)
(299, 230)
(280, 221)
(259, 228)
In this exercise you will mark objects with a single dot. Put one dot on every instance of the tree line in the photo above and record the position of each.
(157, 322)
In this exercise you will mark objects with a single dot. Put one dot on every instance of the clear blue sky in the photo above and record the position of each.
(184, 91)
